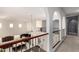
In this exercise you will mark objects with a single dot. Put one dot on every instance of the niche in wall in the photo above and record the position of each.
(55, 25)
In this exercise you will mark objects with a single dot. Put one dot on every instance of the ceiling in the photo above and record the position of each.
(27, 13)
(21, 13)
(71, 10)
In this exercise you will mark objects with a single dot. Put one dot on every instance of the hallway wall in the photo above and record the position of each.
(50, 24)
(78, 25)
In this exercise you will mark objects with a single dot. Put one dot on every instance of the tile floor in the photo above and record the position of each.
(71, 44)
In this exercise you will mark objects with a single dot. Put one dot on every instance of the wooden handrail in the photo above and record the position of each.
(10, 43)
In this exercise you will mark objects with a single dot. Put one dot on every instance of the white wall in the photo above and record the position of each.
(50, 12)
(27, 16)
(78, 25)
(27, 26)
(6, 30)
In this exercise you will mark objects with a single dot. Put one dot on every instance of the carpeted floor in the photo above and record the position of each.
(71, 44)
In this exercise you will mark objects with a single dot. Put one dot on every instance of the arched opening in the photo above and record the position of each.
(56, 28)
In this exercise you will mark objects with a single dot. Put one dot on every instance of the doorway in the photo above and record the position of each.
(72, 25)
